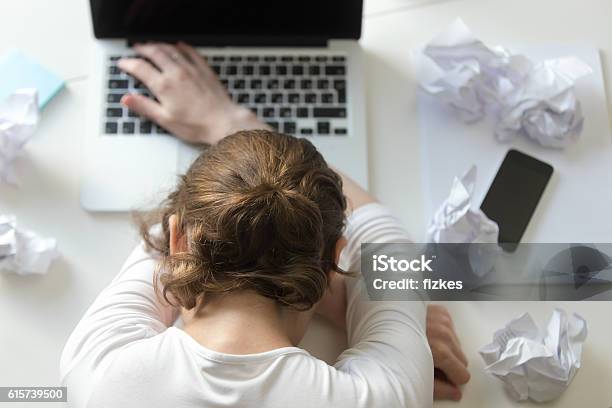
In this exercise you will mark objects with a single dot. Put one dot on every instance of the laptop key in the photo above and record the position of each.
(285, 112)
(342, 96)
(321, 58)
(323, 128)
(118, 84)
(306, 131)
(235, 58)
(218, 58)
(244, 98)
(239, 84)
(339, 84)
(340, 131)
(293, 98)
(114, 112)
(216, 68)
(160, 130)
(268, 112)
(289, 84)
(297, 70)
(310, 98)
(248, 70)
(272, 124)
(301, 112)
(145, 127)
(260, 98)
(110, 128)
(269, 58)
(289, 127)
(329, 112)
(272, 84)
(113, 97)
(277, 98)
(287, 58)
(127, 128)
(132, 114)
(231, 70)
(114, 70)
(335, 70)
(253, 58)
(264, 70)
(314, 70)
(306, 84)
(338, 58)
(256, 84)
(303, 58)
(280, 70)
(322, 84)
(327, 98)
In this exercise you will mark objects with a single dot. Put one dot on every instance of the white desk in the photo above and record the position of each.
(38, 313)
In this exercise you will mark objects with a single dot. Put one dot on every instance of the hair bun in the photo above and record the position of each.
(263, 211)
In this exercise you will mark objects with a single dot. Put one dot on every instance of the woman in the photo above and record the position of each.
(254, 240)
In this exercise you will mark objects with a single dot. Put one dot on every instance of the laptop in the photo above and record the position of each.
(297, 65)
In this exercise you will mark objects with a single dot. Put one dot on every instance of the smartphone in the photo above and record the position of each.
(514, 195)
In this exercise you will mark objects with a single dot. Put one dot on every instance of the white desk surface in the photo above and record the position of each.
(38, 313)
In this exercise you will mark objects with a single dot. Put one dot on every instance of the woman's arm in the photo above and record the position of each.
(126, 311)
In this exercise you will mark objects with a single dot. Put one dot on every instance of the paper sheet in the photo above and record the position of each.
(18, 119)
(533, 363)
(23, 252)
(537, 100)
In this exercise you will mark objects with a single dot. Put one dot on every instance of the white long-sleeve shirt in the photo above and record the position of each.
(125, 353)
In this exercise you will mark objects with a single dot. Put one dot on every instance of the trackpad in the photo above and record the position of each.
(129, 173)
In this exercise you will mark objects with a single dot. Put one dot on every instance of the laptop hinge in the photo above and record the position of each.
(236, 41)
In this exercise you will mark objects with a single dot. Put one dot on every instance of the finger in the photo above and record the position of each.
(458, 351)
(144, 107)
(455, 370)
(157, 55)
(445, 391)
(179, 59)
(196, 58)
(140, 69)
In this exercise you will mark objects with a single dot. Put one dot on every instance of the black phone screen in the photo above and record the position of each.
(514, 195)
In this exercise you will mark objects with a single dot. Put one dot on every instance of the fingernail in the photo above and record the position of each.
(457, 395)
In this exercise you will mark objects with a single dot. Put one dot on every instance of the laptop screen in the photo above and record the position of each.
(228, 22)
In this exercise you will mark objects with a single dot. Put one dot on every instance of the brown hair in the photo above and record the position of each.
(261, 211)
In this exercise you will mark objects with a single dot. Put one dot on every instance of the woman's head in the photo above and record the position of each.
(260, 211)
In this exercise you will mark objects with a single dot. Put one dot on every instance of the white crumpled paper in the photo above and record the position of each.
(533, 363)
(23, 252)
(18, 119)
(456, 221)
(538, 100)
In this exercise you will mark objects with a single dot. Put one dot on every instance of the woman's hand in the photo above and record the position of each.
(193, 104)
(449, 361)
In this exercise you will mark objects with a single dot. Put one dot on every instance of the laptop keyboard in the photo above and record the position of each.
(303, 95)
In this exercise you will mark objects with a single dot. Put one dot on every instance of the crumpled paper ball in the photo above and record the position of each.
(526, 98)
(537, 364)
(457, 222)
(24, 252)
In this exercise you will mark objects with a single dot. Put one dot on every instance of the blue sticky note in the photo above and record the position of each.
(18, 70)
